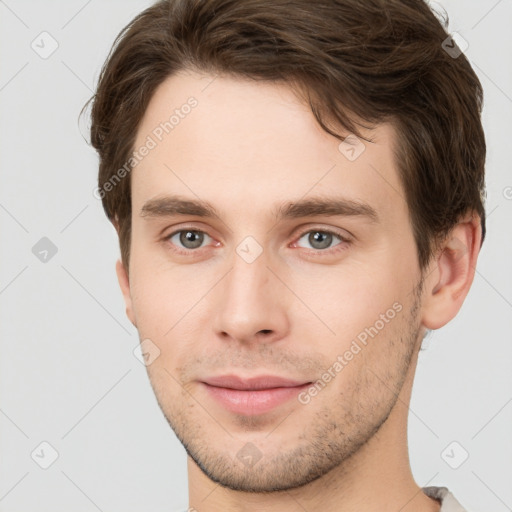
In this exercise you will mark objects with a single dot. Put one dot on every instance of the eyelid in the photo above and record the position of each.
(332, 231)
(185, 227)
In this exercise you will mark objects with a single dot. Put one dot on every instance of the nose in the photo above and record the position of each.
(251, 304)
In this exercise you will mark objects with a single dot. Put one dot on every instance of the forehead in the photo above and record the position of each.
(244, 144)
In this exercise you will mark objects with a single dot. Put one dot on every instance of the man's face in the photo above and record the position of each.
(253, 291)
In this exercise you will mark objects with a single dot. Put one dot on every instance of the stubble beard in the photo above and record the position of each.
(328, 442)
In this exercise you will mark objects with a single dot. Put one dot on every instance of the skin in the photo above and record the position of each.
(245, 148)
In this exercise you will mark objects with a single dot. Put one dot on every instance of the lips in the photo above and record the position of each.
(253, 383)
(252, 396)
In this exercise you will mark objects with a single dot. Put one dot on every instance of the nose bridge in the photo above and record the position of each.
(249, 299)
(248, 281)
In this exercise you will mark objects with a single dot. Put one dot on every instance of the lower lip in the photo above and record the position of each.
(253, 402)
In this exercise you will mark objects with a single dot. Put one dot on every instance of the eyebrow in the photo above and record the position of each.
(168, 206)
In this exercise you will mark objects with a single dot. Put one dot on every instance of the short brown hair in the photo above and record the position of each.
(375, 61)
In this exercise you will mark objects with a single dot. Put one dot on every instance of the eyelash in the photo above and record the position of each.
(332, 250)
(344, 241)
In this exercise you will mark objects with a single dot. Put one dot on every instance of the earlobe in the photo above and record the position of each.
(451, 274)
(124, 284)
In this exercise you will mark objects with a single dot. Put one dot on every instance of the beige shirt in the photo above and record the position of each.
(445, 497)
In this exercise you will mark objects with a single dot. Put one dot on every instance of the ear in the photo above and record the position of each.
(124, 284)
(451, 273)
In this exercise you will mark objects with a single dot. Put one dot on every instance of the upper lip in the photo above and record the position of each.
(252, 383)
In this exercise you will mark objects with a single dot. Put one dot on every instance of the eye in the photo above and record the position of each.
(321, 239)
(188, 239)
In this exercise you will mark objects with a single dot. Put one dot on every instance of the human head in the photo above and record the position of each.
(247, 141)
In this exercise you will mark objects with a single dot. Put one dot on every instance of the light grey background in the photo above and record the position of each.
(67, 370)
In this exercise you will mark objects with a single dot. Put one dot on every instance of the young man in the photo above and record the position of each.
(297, 187)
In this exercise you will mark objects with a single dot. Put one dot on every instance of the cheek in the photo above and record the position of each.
(347, 299)
(156, 301)
(168, 300)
